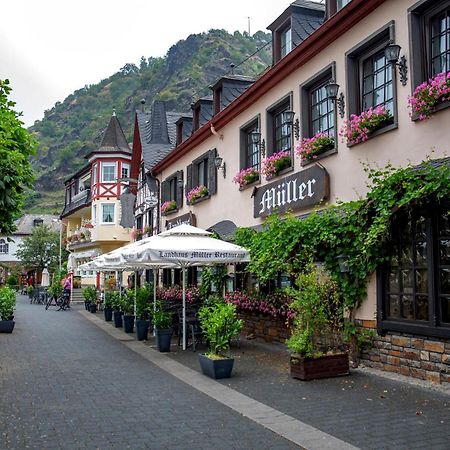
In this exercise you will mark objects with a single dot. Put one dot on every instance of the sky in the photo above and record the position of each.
(50, 48)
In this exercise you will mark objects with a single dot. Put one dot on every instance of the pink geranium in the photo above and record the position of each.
(196, 193)
(246, 176)
(310, 148)
(428, 94)
(168, 206)
(275, 163)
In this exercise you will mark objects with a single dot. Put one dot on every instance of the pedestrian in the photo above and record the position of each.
(67, 286)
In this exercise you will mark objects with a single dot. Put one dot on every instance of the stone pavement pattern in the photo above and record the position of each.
(65, 384)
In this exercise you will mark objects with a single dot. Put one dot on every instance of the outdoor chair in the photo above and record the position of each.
(193, 329)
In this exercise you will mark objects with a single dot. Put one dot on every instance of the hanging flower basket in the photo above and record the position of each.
(275, 163)
(360, 127)
(168, 206)
(197, 193)
(310, 148)
(246, 176)
(429, 94)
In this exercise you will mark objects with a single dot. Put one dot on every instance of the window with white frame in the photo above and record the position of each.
(125, 170)
(94, 174)
(108, 212)
(4, 246)
(108, 172)
(94, 214)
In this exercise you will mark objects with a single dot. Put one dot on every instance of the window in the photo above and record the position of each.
(108, 172)
(415, 293)
(371, 79)
(94, 214)
(341, 3)
(286, 42)
(172, 189)
(94, 174)
(279, 134)
(4, 246)
(203, 171)
(125, 170)
(108, 213)
(250, 150)
(430, 39)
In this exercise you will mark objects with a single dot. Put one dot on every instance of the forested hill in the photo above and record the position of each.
(73, 127)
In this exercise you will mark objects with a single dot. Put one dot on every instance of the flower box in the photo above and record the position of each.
(430, 94)
(310, 148)
(323, 367)
(168, 207)
(360, 127)
(197, 193)
(246, 176)
(275, 163)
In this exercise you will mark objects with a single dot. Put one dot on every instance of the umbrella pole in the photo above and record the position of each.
(155, 274)
(184, 306)
(135, 291)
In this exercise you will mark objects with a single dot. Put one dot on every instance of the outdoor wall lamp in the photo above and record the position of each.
(220, 164)
(255, 137)
(332, 89)
(392, 53)
(289, 119)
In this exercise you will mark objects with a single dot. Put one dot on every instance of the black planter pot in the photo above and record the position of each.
(216, 368)
(128, 323)
(108, 314)
(142, 327)
(163, 339)
(93, 308)
(86, 305)
(118, 319)
(7, 326)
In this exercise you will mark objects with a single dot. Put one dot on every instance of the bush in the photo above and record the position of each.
(12, 281)
(161, 319)
(144, 303)
(127, 302)
(7, 303)
(90, 294)
(220, 324)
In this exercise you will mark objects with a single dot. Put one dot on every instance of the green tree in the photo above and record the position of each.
(16, 146)
(40, 249)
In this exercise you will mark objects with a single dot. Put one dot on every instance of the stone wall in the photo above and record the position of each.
(410, 355)
(264, 327)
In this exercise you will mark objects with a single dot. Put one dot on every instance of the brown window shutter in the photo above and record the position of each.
(212, 172)
(189, 185)
(179, 198)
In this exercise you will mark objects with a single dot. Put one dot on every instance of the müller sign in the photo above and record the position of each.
(301, 190)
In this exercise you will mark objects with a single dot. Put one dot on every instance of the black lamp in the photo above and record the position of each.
(392, 53)
(332, 89)
(220, 164)
(255, 137)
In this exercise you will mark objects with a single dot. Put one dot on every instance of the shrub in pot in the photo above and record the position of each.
(117, 308)
(7, 305)
(220, 324)
(90, 297)
(108, 307)
(162, 321)
(144, 307)
(316, 343)
(128, 310)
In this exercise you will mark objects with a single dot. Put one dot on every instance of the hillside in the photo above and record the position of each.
(73, 127)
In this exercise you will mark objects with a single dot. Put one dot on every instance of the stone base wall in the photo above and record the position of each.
(410, 355)
(264, 327)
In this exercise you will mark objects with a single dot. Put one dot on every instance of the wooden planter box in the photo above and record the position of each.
(324, 367)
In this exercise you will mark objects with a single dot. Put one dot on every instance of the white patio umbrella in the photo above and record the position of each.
(45, 282)
(186, 246)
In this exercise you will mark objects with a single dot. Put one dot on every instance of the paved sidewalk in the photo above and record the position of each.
(363, 409)
(65, 384)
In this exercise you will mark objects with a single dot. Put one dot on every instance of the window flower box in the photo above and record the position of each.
(197, 193)
(310, 148)
(136, 234)
(275, 163)
(168, 207)
(428, 95)
(360, 127)
(246, 176)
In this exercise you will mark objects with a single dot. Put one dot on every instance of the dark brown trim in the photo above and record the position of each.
(325, 35)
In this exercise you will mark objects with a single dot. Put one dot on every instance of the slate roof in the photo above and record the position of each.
(157, 131)
(225, 229)
(25, 223)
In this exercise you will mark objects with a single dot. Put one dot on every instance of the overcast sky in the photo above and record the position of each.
(50, 48)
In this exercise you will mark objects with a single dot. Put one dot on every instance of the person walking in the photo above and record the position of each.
(67, 287)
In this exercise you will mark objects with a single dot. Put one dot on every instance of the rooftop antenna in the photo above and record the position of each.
(114, 112)
(248, 21)
(232, 65)
(143, 104)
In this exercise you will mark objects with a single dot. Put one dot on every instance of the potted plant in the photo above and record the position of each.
(90, 299)
(197, 193)
(7, 305)
(220, 324)
(143, 310)
(310, 148)
(108, 306)
(117, 308)
(30, 291)
(316, 346)
(275, 163)
(127, 303)
(168, 207)
(246, 176)
(162, 321)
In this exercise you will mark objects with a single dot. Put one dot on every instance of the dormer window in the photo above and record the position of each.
(333, 6)
(285, 42)
(108, 172)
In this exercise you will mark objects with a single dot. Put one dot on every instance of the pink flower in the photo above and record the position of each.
(272, 165)
(309, 148)
(246, 176)
(196, 193)
(168, 206)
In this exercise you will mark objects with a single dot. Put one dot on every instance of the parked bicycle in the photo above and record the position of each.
(62, 302)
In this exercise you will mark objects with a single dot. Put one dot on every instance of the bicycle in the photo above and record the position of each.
(62, 302)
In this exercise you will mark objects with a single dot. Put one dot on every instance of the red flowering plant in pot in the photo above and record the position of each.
(310, 148)
(246, 176)
(429, 94)
(275, 163)
(361, 126)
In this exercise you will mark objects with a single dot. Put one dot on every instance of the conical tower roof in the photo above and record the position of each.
(113, 139)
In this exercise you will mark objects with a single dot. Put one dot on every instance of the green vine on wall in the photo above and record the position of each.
(358, 230)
